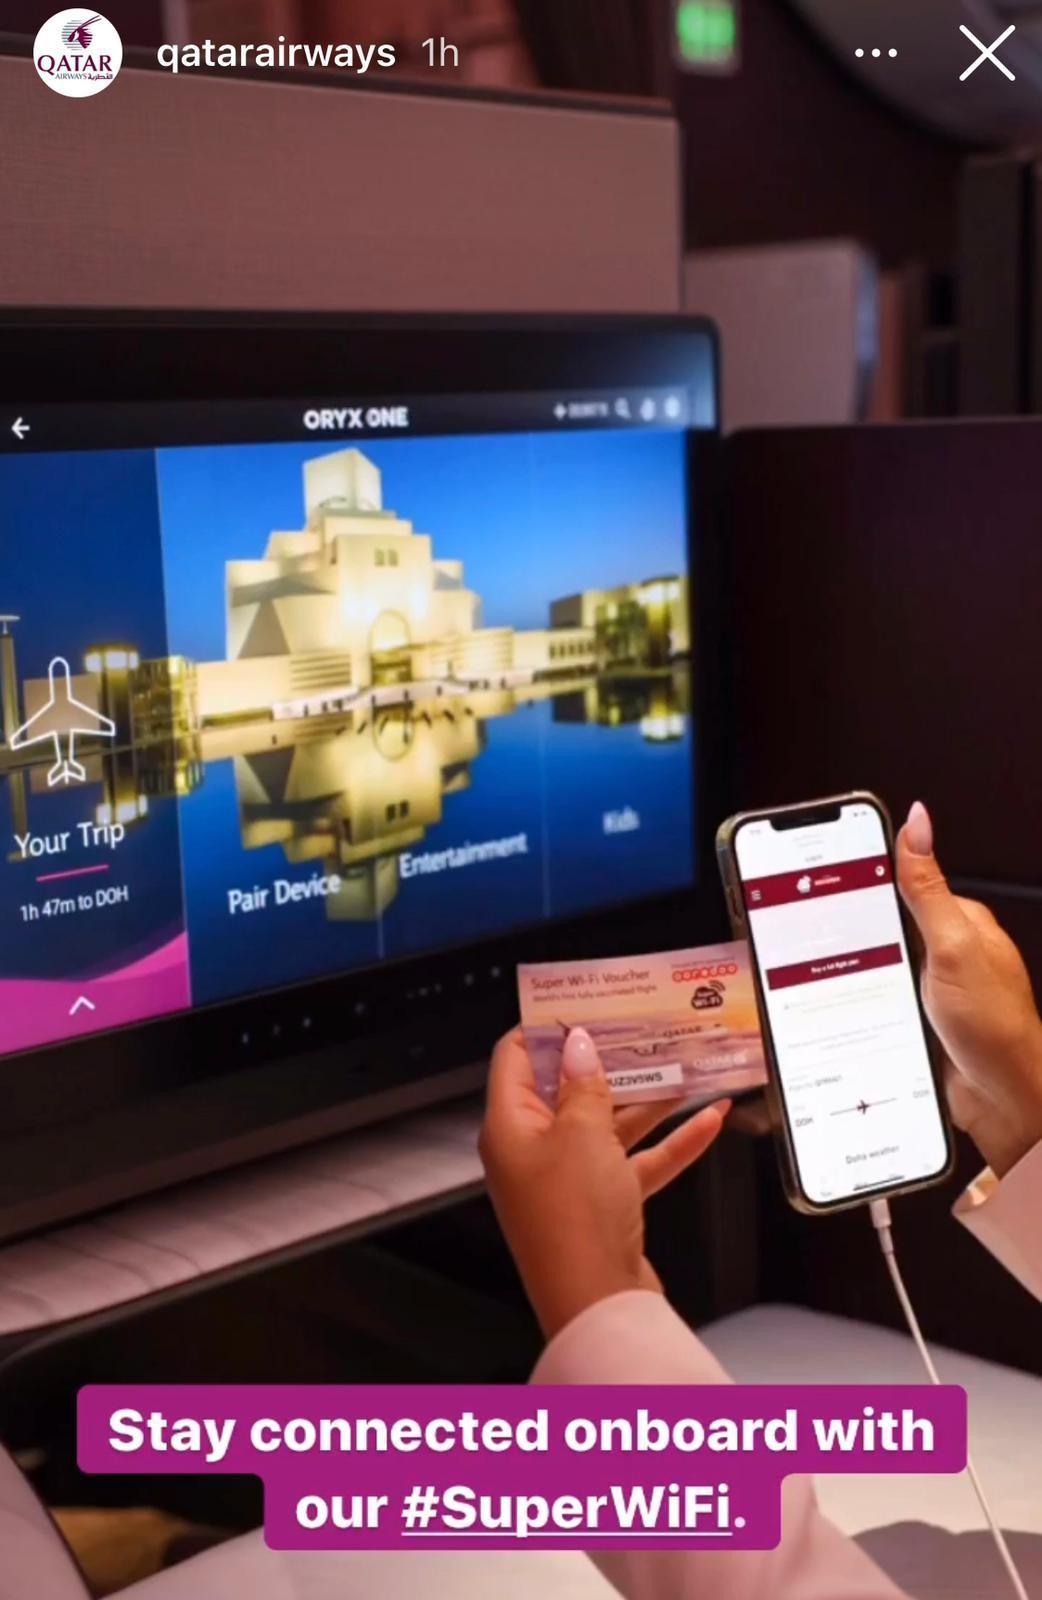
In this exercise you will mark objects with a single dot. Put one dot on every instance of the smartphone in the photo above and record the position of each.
(853, 1084)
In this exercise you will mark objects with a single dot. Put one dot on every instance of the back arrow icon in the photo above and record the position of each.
(82, 1001)
(19, 428)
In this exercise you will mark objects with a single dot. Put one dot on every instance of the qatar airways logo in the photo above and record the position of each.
(78, 53)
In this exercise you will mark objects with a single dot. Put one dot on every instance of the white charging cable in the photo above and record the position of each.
(880, 1214)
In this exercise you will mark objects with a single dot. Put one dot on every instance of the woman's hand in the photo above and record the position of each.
(569, 1198)
(978, 997)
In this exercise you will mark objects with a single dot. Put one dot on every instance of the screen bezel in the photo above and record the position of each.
(807, 814)
(99, 357)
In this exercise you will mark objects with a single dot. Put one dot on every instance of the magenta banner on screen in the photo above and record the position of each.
(839, 966)
(787, 888)
(393, 1467)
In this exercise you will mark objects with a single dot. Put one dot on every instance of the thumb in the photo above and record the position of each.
(922, 883)
(584, 1094)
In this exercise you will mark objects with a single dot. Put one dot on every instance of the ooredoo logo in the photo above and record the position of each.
(719, 969)
(78, 53)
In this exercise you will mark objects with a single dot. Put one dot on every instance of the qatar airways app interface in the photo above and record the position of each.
(841, 1001)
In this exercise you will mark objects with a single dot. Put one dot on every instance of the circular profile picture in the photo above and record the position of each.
(78, 53)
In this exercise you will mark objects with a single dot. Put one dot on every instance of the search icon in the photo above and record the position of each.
(622, 409)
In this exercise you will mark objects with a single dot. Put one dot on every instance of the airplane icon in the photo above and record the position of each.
(63, 718)
(863, 1107)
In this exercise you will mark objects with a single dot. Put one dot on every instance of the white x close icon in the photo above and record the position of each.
(987, 52)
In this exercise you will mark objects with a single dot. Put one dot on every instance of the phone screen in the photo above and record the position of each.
(839, 992)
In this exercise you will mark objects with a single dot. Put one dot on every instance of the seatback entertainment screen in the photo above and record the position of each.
(280, 702)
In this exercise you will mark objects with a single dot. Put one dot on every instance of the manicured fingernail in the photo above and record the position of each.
(722, 1107)
(919, 830)
(579, 1058)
